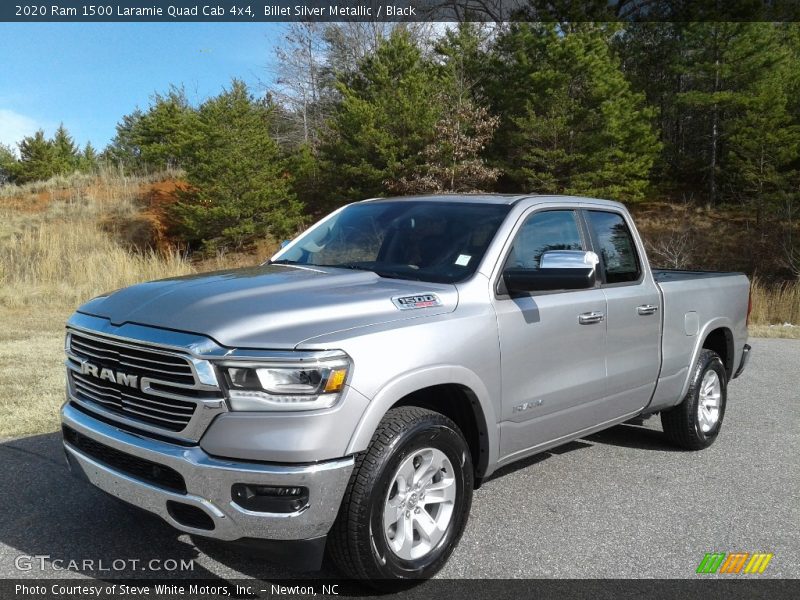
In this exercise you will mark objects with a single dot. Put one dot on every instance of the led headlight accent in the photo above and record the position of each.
(285, 387)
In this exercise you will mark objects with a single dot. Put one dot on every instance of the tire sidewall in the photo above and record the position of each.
(425, 434)
(709, 362)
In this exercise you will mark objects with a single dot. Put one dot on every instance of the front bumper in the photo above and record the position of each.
(208, 481)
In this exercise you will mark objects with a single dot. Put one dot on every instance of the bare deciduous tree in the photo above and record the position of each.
(791, 245)
(672, 249)
(452, 161)
(301, 80)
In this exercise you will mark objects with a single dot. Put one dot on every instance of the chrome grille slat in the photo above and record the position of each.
(173, 410)
(93, 354)
(87, 344)
(110, 395)
(127, 403)
(128, 364)
(152, 416)
(169, 398)
(120, 350)
(85, 381)
(96, 398)
(139, 358)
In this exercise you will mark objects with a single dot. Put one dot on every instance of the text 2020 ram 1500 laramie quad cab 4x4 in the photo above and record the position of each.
(355, 389)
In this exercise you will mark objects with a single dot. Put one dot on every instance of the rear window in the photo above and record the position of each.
(615, 244)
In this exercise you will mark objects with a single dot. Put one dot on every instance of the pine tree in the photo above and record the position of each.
(66, 155)
(124, 149)
(453, 160)
(651, 54)
(384, 121)
(8, 164)
(571, 122)
(36, 159)
(158, 138)
(88, 159)
(725, 68)
(239, 189)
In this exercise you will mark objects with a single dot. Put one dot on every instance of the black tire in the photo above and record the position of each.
(357, 543)
(682, 424)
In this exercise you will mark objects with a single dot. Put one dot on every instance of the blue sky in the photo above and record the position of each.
(89, 75)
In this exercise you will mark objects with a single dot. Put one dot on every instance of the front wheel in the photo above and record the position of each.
(695, 423)
(408, 499)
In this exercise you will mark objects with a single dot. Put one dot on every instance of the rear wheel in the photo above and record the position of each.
(408, 499)
(695, 423)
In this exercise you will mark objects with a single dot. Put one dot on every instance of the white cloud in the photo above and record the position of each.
(15, 126)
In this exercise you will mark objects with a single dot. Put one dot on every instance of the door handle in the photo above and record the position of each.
(590, 317)
(646, 309)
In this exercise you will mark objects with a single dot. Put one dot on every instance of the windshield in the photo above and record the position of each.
(439, 242)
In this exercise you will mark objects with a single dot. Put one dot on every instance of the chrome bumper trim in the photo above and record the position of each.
(208, 484)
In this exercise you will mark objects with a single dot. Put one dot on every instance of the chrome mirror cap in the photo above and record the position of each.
(568, 259)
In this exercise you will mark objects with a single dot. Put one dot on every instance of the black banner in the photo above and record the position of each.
(399, 10)
(439, 589)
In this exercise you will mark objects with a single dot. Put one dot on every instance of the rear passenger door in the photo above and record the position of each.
(633, 339)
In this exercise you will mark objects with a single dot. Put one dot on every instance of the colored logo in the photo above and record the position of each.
(734, 562)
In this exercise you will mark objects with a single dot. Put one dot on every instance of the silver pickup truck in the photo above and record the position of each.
(353, 391)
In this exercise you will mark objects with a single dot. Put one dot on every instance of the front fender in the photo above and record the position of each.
(411, 381)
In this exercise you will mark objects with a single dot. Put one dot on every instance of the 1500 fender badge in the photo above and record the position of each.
(425, 300)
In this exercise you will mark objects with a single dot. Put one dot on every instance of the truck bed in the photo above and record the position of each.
(694, 304)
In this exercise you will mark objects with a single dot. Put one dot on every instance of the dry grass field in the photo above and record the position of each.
(70, 239)
(61, 243)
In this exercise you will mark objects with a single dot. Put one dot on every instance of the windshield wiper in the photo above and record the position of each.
(398, 275)
(353, 266)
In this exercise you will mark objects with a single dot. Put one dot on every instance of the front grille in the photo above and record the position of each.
(138, 468)
(167, 401)
(135, 359)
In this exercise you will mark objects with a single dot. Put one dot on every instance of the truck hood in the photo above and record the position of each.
(269, 307)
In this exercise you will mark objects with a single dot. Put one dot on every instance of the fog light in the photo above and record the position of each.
(269, 498)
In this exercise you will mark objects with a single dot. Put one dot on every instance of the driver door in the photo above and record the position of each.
(552, 363)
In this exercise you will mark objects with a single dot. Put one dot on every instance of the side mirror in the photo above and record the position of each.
(558, 270)
(285, 243)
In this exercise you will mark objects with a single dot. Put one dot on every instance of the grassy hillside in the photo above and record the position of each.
(62, 242)
(69, 239)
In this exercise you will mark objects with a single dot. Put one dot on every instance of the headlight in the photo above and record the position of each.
(297, 387)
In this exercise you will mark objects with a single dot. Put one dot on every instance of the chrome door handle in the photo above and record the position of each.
(646, 309)
(590, 317)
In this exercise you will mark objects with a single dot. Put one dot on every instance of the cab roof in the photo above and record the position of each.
(508, 199)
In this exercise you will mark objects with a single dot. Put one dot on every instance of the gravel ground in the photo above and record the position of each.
(618, 504)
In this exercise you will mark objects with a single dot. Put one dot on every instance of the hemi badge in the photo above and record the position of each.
(416, 301)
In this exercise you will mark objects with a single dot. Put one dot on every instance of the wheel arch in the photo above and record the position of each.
(716, 335)
(453, 391)
(720, 340)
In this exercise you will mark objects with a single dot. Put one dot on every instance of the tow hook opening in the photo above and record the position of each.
(270, 498)
(190, 516)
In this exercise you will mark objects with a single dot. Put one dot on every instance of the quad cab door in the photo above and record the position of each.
(633, 343)
(552, 344)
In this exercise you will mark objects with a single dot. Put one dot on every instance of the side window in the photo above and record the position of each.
(615, 244)
(543, 231)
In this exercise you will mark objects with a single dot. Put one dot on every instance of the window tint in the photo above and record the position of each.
(543, 231)
(615, 243)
